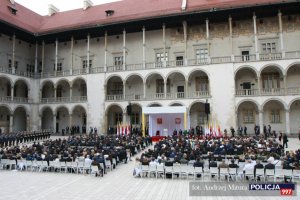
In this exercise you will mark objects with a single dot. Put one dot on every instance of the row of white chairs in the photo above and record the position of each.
(40, 166)
(234, 173)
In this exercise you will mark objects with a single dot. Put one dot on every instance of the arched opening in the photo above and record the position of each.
(176, 104)
(198, 83)
(295, 116)
(114, 116)
(79, 88)
(63, 90)
(177, 86)
(114, 89)
(248, 115)
(47, 119)
(48, 90)
(4, 119)
(20, 119)
(155, 87)
(21, 91)
(62, 119)
(79, 118)
(5, 89)
(272, 82)
(134, 88)
(197, 114)
(293, 80)
(246, 82)
(274, 115)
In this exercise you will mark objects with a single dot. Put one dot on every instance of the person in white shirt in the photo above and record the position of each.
(248, 166)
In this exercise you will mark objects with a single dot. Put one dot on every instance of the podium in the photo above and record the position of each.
(165, 132)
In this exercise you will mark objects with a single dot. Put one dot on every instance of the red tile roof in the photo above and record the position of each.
(126, 10)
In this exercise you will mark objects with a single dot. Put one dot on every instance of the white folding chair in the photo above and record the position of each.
(94, 170)
(288, 173)
(108, 164)
(224, 172)
(87, 167)
(249, 173)
(4, 163)
(168, 170)
(28, 164)
(259, 173)
(63, 166)
(160, 170)
(176, 170)
(296, 174)
(80, 167)
(152, 170)
(56, 166)
(233, 173)
(198, 171)
(214, 171)
(184, 170)
(270, 173)
(278, 173)
(145, 169)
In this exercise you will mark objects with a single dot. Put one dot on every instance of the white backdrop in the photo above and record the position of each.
(168, 122)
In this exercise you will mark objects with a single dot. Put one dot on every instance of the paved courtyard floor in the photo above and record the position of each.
(115, 185)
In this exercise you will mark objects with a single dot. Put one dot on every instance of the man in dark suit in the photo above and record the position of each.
(197, 163)
(213, 163)
(285, 141)
(286, 165)
(258, 166)
(269, 166)
(233, 165)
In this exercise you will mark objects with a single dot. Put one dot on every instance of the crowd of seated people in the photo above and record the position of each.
(241, 152)
(89, 148)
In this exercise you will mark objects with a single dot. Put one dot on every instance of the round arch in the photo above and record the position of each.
(112, 105)
(247, 100)
(20, 118)
(153, 73)
(62, 80)
(176, 72)
(154, 104)
(47, 81)
(79, 78)
(274, 99)
(45, 108)
(7, 78)
(133, 74)
(246, 67)
(290, 66)
(7, 107)
(176, 103)
(198, 70)
(113, 76)
(281, 70)
(27, 111)
(61, 107)
(22, 80)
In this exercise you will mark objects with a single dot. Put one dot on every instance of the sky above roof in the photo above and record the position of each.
(41, 6)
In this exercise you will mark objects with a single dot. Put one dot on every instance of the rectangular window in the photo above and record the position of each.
(135, 118)
(159, 86)
(118, 62)
(59, 67)
(275, 116)
(10, 64)
(85, 63)
(201, 55)
(245, 56)
(159, 58)
(118, 118)
(248, 116)
(179, 60)
(30, 68)
(269, 47)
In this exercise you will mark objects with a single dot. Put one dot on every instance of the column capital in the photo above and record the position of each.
(230, 18)
(287, 110)
(279, 13)
(254, 16)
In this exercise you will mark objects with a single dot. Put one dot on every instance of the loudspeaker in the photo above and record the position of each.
(207, 108)
(129, 109)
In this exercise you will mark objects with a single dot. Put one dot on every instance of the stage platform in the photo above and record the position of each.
(157, 138)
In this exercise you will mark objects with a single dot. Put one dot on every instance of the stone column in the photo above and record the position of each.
(259, 85)
(13, 66)
(186, 90)
(207, 39)
(144, 86)
(54, 123)
(55, 95)
(261, 121)
(70, 120)
(72, 55)
(43, 57)
(124, 90)
(36, 57)
(56, 56)
(281, 34)
(184, 24)
(40, 122)
(287, 121)
(88, 55)
(164, 43)
(71, 93)
(231, 38)
(144, 48)
(255, 37)
(165, 88)
(11, 122)
(284, 84)
(105, 51)
(12, 93)
(124, 50)
(27, 123)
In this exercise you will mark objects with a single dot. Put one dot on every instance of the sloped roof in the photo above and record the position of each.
(125, 10)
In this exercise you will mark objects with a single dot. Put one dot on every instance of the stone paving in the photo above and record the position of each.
(116, 184)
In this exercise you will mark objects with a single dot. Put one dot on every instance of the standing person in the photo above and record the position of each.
(256, 130)
(280, 136)
(269, 130)
(232, 131)
(245, 130)
(241, 130)
(265, 131)
(285, 141)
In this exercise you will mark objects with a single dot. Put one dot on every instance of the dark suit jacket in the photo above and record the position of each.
(233, 166)
(269, 166)
(198, 164)
(258, 166)
(168, 163)
(213, 164)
